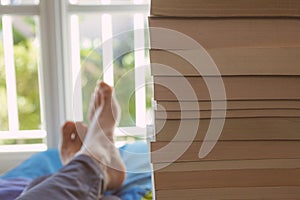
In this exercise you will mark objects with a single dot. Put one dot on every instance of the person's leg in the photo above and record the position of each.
(80, 179)
(97, 165)
(104, 115)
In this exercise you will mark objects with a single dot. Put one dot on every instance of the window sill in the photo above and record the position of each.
(9, 160)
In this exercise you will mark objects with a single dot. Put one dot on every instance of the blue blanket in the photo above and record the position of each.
(135, 156)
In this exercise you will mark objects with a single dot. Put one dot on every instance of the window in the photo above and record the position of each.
(20, 114)
(51, 55)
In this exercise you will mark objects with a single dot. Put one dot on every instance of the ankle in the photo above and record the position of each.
(101, 161)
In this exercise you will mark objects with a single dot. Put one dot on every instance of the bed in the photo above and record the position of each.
(137, 185)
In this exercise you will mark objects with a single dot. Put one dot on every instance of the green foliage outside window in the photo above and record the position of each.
(26, 66)
(26, 58)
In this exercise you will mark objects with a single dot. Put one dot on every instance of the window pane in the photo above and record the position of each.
(97, 51)
(20, 47)
(124, 77)
(26, 64)
(87, 33)
(3, 96)
(20, 2)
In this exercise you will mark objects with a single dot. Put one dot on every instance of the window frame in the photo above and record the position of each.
(54, 66)
(22, 10)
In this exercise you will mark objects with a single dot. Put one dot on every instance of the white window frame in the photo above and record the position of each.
(52, 108)
(14, 132)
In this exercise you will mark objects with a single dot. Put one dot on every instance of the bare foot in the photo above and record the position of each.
(99, 141)
(72, 136)
(106, 104)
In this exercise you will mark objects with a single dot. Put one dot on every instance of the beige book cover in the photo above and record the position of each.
(237, 193)
(230, 105)
(236, 88)
(207, 114)
(227, 178)
(230, 8)
(227, 165)
(229, 61)
(234, 129)
(224, 150)
(217, 33)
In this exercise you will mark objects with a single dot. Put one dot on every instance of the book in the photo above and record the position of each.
(234, 129)
(230, 61)
(237, 193)
(227, 165)
(228, 8)
(217, 33)
(207, 114)
(253, 48)
(236, 88)
(162, 152)
(227, 178)
(230, 105)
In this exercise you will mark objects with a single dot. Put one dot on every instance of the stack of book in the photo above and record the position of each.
(255, 45)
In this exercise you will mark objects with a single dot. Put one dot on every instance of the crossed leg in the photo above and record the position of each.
(95, 159)
(98, 141)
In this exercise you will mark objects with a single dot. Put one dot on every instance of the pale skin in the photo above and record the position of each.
(97, 141)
